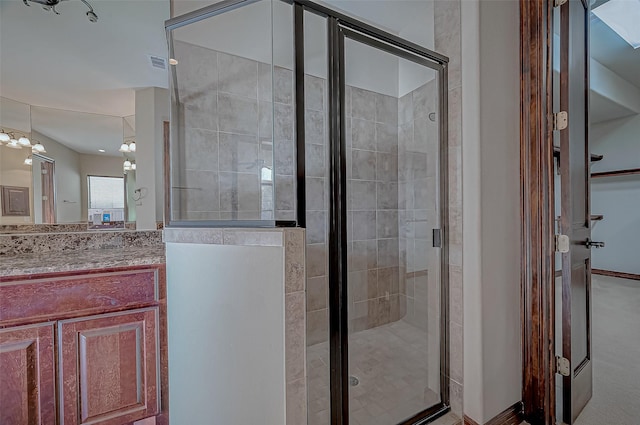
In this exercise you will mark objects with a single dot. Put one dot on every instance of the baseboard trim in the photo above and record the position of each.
(468, 421)
(510, 416)
(612, 273)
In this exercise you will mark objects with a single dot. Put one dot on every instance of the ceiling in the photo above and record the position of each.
(603, 109)
(612, 51)
(82, 132)
(64, 61)
(80, 77)
(617, 55)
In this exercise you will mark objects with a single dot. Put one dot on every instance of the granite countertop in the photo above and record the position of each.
(51, 262)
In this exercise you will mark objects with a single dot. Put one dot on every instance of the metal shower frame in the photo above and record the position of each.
(340, 28)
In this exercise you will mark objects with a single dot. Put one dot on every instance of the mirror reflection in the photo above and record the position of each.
(70, 149)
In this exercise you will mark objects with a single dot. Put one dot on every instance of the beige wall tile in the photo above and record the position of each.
(455, 364)
(295, 336)
(296, 399)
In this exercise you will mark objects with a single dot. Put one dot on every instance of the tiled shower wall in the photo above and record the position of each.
(373, 211)
(229, 135)
(227, 109)
(374, 269)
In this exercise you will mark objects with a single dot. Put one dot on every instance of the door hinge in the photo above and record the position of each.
(563, 366)
(560, 120)
(558, 3)
(437, 238)
(562, 243)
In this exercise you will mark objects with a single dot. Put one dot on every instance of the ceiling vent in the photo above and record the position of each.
(158, 63)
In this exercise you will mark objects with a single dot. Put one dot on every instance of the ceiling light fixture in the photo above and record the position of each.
(101, 150)
(13, 144)
(4, 137)
(128, 146)
(622, 16)
(24, 142)
(38, 148)
(173, 61)
(127, 165)
(51, 5)
(28, 160)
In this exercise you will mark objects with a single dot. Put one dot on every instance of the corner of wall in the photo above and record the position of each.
(499, 76)
(472, 213)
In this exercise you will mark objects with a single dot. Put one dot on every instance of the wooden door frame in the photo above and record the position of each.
(537, 209)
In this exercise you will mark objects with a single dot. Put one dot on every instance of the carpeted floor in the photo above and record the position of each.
(616, 353)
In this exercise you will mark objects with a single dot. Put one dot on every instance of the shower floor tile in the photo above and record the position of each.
(390, 363)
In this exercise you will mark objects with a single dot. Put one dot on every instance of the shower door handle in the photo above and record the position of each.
(437, 238)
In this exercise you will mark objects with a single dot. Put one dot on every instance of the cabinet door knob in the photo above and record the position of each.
(593, 244)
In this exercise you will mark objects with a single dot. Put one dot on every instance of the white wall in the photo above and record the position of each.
(617, 198)
(491, 216)
(96, 165)
(152, 109)
(226, 334)
(67, 179)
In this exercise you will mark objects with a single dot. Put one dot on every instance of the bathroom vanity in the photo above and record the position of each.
(83, 337)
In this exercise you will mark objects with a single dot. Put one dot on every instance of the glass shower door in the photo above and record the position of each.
(392, 115)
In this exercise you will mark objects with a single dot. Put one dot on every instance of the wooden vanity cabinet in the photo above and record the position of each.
(27, 375)
(92, 352)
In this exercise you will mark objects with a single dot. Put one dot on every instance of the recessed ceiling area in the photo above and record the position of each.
(612, 51)
(84, 133)
(617, 56)
(604, 109)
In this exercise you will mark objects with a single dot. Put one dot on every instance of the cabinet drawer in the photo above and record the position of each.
(27, 375)
(62, 296)
(108, 368)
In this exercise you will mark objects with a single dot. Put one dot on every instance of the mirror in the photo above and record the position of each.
(77, 104)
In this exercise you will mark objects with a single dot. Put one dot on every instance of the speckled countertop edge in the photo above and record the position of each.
(52, 262)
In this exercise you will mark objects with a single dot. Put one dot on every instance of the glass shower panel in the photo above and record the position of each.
(232, 102)
(317, 199)
(394, 284)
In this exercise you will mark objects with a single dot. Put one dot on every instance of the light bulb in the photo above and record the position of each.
(28, 161)
(132, 147)
(24, 141)
(127, 165)
(13, 144)
(133, 166)
(39, 148)
(4, 137)
(124, 148)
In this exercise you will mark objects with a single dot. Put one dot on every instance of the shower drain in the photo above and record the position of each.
(353, 381)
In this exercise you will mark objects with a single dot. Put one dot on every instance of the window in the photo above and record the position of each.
(106, 192)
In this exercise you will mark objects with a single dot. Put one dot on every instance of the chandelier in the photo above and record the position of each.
(51, 5)
(16, 140)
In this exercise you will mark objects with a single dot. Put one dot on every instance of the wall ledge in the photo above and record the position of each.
(229, 236)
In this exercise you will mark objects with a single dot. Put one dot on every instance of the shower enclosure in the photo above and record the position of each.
(291, 113)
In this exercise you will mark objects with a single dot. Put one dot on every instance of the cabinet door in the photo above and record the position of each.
(27, 375)
(108, 368)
